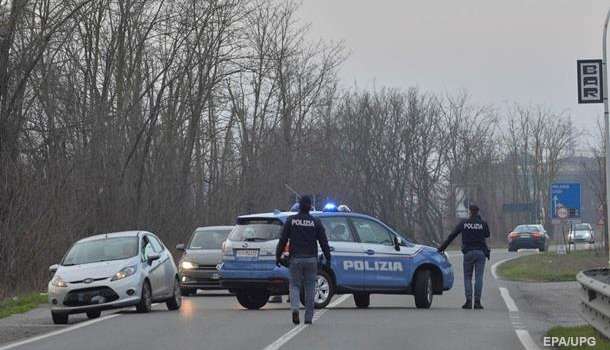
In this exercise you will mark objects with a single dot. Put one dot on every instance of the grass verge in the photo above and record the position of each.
(550, 267)
(21, 304)
(579, 331)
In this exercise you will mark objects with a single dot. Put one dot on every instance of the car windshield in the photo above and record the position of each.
(256, 230)
(527, 228)
(581, 227)
(106, 249)
(208, 238)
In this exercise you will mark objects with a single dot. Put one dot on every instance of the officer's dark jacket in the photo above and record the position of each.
(303, 231)
(474, 231)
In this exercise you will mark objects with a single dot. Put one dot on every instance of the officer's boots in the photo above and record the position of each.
(295, 317)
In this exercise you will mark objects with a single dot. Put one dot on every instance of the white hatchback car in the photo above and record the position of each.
(113, 270)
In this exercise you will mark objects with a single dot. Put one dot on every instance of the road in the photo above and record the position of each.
(391, 322)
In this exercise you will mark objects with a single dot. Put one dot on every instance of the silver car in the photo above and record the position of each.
(581, 233)
(202, 254)
(113, 270)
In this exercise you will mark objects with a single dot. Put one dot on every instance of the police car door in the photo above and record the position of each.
(346, 254)
(384, 267)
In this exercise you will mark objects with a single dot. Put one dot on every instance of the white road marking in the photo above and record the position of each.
(526, 339)
(524, 336)
(58, 332)
(510, 303)
(298, 329)
(494, 267)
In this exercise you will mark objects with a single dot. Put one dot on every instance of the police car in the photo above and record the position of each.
(368, 257)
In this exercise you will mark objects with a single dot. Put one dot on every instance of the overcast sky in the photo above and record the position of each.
(499, 51)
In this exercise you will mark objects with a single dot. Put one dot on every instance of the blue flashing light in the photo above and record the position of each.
(330, 207)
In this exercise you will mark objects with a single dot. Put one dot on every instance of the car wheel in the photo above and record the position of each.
(252, 299)
(324, 290)
(145, 304)
(362, 300)
(59, 317)
(94, 314)
(176, 300)
(423, 289)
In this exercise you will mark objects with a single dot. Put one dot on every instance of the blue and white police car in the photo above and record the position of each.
(368, 257)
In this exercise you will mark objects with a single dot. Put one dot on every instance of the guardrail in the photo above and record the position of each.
(595, 298)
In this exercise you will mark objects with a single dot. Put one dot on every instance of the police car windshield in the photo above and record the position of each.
(256, 230)
(208, 239)
(581, 227)
(102, 250)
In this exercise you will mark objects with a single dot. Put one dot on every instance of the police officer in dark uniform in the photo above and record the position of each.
(474, 247)
(304, 232)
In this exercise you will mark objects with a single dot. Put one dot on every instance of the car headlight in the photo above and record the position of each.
(124, 273)
(58, 282)
(187, 265)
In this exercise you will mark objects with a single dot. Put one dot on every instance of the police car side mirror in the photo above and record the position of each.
(397, 243)
(180, 247)
(53, 268)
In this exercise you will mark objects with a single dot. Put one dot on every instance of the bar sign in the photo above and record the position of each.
(590, 88)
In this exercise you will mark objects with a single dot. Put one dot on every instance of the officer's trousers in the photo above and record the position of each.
(474, 260)
(303, 275)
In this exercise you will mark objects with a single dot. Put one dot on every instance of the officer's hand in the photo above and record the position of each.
(439, 249)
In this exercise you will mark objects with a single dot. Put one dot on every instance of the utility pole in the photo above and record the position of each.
(606, 129)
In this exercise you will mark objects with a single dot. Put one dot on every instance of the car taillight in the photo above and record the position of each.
(513, 235)
(537, 234)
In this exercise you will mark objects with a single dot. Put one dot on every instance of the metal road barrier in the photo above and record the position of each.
(594, 298)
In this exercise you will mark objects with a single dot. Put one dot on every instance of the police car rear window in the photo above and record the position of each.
(256, 230)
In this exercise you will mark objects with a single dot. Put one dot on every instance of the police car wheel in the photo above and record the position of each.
(423, 289)
(252, 300)
(362, 300)
(324, 290)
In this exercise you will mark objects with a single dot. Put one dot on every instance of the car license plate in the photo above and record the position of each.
(524, 236)
(246, 253)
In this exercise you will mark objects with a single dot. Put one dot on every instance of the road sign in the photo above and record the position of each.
(565, 200)
(590, 87)
(461, 203)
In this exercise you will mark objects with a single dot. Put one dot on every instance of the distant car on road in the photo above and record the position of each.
(531, 236)
(201, 256)
(114, 270)
(368, 257)
(581, 233)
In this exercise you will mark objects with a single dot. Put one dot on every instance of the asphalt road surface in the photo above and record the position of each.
(391, 322)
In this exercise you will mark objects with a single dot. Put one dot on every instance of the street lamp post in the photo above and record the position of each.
(606, 130)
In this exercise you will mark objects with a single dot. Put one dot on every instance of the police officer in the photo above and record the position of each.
(304, 232)
(474, 232)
